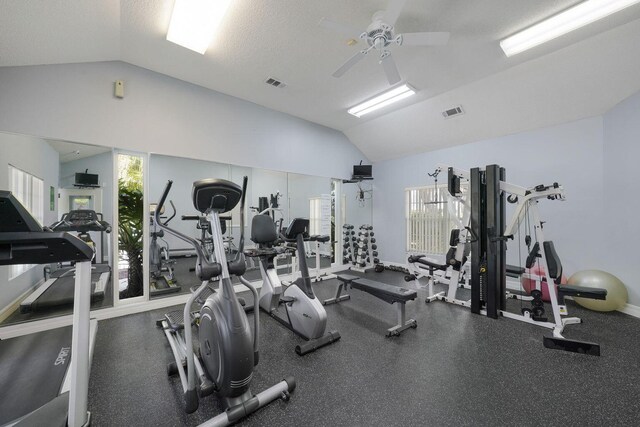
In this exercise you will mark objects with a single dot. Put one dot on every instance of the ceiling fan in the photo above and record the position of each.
(381, 36)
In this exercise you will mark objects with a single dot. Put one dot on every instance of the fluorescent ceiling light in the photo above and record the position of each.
(562, 23)
(194, 22)
(382, 100)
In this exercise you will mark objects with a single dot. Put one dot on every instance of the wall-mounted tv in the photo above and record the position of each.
(362, 171)
(86, 180)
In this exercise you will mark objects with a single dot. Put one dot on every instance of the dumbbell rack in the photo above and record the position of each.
(348, 244)
(365, 254)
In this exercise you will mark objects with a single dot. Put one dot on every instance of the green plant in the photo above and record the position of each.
(130, 222)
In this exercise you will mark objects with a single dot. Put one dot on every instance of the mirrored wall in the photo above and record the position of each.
(279, 195)
(67, 187)
(68, 184)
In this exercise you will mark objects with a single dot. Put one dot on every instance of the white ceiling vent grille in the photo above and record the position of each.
(275, 82)
(455, 111)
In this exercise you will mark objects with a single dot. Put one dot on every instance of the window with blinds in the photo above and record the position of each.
(29, 190)
(429, 219)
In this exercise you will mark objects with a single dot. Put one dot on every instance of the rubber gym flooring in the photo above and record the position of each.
(455, 369)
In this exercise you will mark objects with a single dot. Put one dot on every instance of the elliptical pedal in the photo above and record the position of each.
(175, 320)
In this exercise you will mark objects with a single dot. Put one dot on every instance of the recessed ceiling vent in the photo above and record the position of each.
(452, 112)
(275, 82)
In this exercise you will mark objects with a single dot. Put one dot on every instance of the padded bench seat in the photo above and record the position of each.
(420, 259)
(388, 293)
(515, 271)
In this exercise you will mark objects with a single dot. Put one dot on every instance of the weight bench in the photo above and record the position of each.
(389, 293)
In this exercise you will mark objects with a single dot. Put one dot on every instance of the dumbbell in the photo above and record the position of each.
(373, 240)
(374, 247)
(376, 261)
(374, 253)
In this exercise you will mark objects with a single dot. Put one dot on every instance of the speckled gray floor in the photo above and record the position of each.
(455, 369)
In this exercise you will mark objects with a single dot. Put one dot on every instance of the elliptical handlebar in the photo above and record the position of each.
(245, 180)
(173, 207)
(165, 193)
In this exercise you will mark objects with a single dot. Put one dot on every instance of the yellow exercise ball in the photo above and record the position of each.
(617, 295)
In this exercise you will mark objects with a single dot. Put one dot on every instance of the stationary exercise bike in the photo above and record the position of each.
(227, 348)
(305, 314)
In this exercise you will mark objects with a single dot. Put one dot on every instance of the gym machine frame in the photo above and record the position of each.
(488, 253)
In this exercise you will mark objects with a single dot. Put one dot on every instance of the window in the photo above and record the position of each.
(430, 218)
(29, 190)
(320, 215)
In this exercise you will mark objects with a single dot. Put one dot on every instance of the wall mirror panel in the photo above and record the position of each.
(171, 260)
(356, 210)
(311, 197)
(266, 195)
(66, 186)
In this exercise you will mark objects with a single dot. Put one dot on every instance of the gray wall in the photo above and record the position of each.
(35, 156)
(571, 154)
(621, 178)
(164, 115)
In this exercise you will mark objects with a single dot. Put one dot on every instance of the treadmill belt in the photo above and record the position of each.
(61, 293)
(30, 377)
(95, 268)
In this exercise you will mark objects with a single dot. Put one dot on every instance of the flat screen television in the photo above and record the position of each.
(86, 180)
(362, 171)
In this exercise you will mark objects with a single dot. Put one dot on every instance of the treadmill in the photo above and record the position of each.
(57, 290)
(45, 376)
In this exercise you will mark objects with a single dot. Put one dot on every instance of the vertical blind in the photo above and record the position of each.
(428, 217)
(29, 190)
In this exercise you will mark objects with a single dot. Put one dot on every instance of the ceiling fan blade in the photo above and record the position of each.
(339, 28)
(425, 39)
(393, 11)
(350, 63)
(390, 69)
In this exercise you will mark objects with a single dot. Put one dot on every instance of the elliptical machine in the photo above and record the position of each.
(305, 314)
(160, 264)
(227, 348)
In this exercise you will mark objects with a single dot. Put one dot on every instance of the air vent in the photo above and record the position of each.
(455, 111)
(275, 82)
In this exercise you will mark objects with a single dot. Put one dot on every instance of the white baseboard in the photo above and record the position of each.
(632, 310)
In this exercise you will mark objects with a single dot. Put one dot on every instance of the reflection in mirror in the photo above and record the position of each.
(171, 260)
(266, 195)
(310, 197)
(358, 236)
(67, 187)
(130, 225)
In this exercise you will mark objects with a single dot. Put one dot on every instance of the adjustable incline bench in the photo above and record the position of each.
(389, 293)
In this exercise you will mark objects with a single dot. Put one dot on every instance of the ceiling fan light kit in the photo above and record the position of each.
(381, 37)
(571, 19)
(382, 100)
(195, 22)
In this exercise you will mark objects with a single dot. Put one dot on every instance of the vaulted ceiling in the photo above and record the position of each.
(578, 75)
